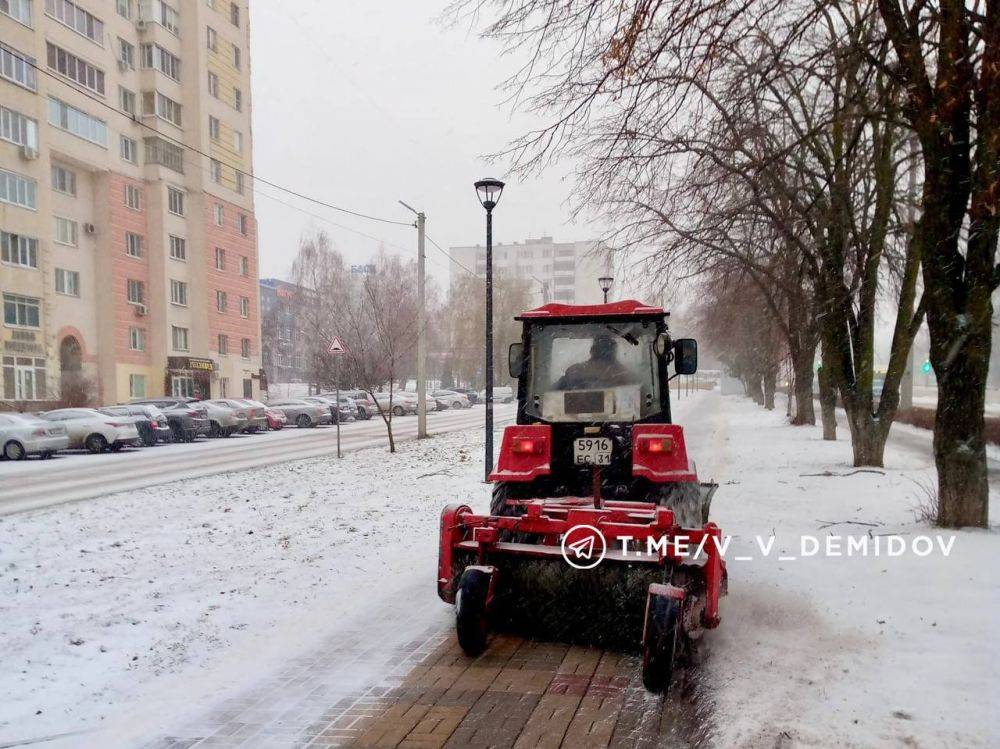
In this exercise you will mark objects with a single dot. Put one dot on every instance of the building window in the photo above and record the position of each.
(223, 387)
(182, 387)
(16, 249)
(237, 141)
(178, 248)
(220, 258)
(18, 190)
(244, 265)
(23, 378)
(213, 128)
(244, 306)
(67, 282)
(234, 14)
(164, 153)
(129, 149)
(221, 301)
(79, 71)
(241, 223)
(18, 68)
(245, 348)
(137, 339)
(175, 201)
(65, 231)
(178, 293)
(71, 15)
(223, 344)
(126, 100)
(133, 197)
(19, 10)
(156, 57)
(213, 85)
(161, 13)
(21, 311)
(126, 53)
(16, 128)
(136, 386)
(155, 103)
(215, 170)
(63, 180)
(179, 338)
(239, 181)
(133, 244)
(238, 100)
(236, 57)
(212, 39)
(77, 122)
(219, 215)
(135, 291)
(124, 8)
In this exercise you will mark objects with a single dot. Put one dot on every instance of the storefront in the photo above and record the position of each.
(189, 377)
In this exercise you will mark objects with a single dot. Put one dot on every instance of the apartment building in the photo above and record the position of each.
(129, 247)
(557, 271)
(281, 334)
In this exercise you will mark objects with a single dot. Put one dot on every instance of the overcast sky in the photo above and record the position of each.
(363, 103)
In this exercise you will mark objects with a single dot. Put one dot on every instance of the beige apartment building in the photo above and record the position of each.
(128, 246)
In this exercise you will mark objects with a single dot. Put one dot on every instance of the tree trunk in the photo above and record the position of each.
(802, 365)
(755, 389)
(770, 385)
(868, 437)
(828, 404)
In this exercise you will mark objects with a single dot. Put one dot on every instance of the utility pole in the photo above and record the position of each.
(906, 385)
(421, 328)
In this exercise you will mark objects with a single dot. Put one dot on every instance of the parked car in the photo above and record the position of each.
(97, 432)
(451, 399)
(187, 419)
(500, 395)
(22, 435)
(256, 416)
(401, 403)
(275, 419)
(150, 421)
(226, 417)
(469, 393)
(302, 413)
(342, 411)
(364, 404)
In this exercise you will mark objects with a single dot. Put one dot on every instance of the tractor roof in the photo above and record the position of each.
(625, 307)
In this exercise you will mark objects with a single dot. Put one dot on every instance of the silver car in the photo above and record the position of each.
(401, 403)
(225, 417)
(93, 430)
(301, 413)
(22, 435)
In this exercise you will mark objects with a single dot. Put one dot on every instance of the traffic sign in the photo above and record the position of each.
(337, 346)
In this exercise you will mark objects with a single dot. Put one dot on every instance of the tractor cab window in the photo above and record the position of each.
(593, 372)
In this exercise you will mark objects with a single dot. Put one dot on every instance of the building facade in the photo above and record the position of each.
(281, 334)
(558, 271)
(129, 245)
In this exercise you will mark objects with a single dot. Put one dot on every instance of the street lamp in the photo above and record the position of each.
(605, 282)
(488, 191)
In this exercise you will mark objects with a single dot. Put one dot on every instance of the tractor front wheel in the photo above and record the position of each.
(470, 611)
(661, 642)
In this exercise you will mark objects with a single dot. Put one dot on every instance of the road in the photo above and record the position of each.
(33, 484)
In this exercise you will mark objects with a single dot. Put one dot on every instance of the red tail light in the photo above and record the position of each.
(656, 444)
(522, 445)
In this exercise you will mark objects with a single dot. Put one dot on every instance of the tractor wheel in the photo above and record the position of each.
(96, 443)
(498, 504)
(663, 626)
(14, 450)
(470, 611)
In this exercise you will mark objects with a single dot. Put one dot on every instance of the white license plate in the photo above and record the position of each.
(592, 451)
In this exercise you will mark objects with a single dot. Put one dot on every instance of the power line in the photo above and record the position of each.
(191, 148)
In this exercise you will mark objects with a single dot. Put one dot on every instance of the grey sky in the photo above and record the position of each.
(363, 103)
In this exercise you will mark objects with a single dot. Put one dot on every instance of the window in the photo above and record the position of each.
(244, 265)
(19, 10)
(126, 53)
(124, 8)
(212, 38)
(79, 71)
(244, 306)
(219, 215)
(77, 122)
(164, 153)
(126, 100)
(213, 85)
(215, 170)
(161, 13)
(234, 14)
(221, 301)
(22, 311)
(238, 99)
(17, 189)
(16, 128)
(136, 386)
(137, 339)
(224, 387)
(236, 57)
(65, 231)
(239, 181)
(133, 244)
(245, 348)
(129, 149)
(223, 344)
(135, 291)
(17, 249)
(157, 58)
(63, 180)
(23, 378)
(220, 258)
(178, 293)
(67, 282)
(133, 197)
(179, 338)
(175, 201)
(82, 22)
(155, 103)
(213, 128)
(18, 68)
(178, 248)
(182, 387)
(241, 223)
(237, 141)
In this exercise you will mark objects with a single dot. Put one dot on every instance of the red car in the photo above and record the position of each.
(275, 419)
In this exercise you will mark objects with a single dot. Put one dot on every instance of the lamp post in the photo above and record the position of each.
(605, 282)
(489, 190)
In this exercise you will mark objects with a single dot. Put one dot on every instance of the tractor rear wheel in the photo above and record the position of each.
(663, 626)
(470, 611)
(498, 503)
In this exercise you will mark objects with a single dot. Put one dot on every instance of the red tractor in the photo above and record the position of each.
(598, 530)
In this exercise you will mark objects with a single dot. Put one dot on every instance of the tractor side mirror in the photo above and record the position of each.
(686, 356)
(515, 359)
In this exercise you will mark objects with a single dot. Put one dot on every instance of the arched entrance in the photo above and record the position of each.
(74, 389)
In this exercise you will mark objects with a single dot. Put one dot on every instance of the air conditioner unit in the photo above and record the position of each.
(140, 24)
(141, 310)
(89, 228)
(29, 153)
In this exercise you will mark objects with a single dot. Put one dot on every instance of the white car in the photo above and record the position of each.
(22, 435)
(93, 430)
(402, 403)
(500, 395)
(451, 399)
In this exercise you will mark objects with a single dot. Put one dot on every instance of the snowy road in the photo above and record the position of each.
(33, 484)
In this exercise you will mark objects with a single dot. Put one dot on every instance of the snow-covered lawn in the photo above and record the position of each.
(170, 593)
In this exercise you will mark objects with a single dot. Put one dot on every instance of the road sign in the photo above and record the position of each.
(926, 367)
(337, 346)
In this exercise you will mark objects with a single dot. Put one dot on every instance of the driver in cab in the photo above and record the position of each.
(601, 370)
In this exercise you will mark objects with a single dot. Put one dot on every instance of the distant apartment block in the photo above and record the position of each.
(281, 334)
(127, 260)
(557, 271)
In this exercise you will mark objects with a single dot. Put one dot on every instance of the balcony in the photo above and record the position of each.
(164, 153)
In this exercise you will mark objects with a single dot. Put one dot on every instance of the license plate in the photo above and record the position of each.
(592, 451)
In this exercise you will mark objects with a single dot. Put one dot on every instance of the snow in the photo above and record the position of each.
(127, 612)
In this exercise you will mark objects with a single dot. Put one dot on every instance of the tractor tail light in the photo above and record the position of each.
(522, 445)
(662, 445)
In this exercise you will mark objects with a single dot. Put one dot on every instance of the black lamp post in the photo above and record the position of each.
(488, 190)
(605, 282)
